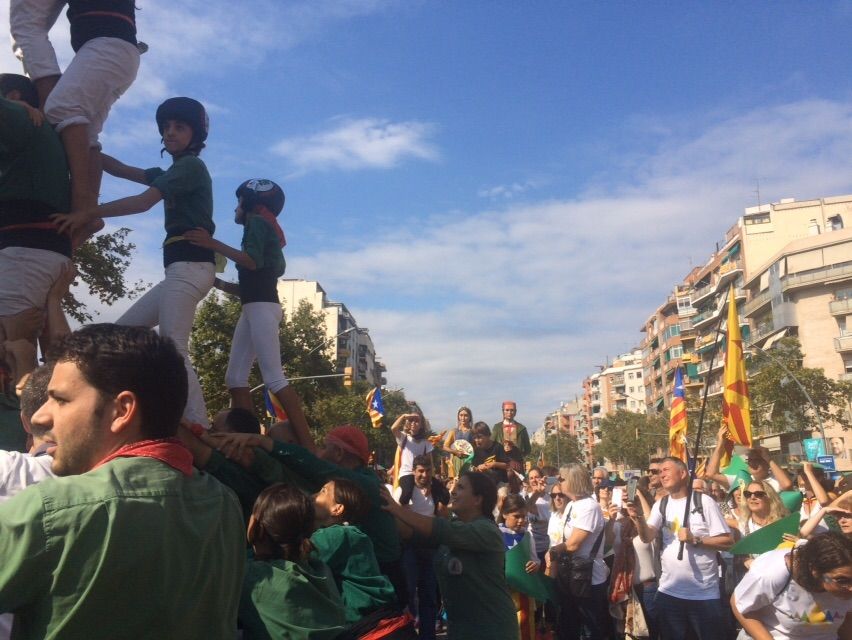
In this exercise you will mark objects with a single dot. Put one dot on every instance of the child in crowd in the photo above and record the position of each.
(409, 431)
(286, 593)
(187, 192)
(514, 528)
(259, 265)
(77, 103)
(368, 595)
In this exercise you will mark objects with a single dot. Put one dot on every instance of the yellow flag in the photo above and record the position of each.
(736, 408)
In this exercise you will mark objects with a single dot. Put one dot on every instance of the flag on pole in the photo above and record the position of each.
(736, 408)
(273, 407)
(540, 462)
(375, 407)
(677, 419)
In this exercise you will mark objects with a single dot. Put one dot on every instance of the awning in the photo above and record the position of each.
(774, 338)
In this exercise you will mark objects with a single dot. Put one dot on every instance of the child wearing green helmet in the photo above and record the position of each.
(187, 194)
(260, 263)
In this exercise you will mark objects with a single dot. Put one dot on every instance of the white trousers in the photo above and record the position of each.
(256, 338)
(26, 276)
(29, 23)
(101, 71)
(171, 306)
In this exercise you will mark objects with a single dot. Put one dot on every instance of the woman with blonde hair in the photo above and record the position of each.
(760, 505)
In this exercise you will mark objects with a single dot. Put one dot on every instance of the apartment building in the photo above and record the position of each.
(348, 345)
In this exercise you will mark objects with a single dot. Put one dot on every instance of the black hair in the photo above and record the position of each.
(113, 358)
(513, 503)
(355, 502)
(12, 81)
(823, 553)
(239, 420)
(481, 429)
(423, 460)
(285, 517)
(482, 486)
(34, 393)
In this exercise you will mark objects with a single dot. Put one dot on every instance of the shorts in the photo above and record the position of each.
(29, 24)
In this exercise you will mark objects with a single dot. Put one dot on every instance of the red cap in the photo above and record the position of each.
(350, 439)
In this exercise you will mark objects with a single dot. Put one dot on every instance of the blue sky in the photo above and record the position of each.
(501, 191)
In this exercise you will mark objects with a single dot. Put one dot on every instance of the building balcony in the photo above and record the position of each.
(618, 381)
(843, 344)
(834, 273)
(757, 303)
(706, 318)
(840, 307)
(701, 293)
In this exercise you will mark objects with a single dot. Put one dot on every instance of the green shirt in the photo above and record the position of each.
(32, 161)
(188, 203)
(379, 525)
(261, 243)
(132, 549)
(349, 554)
(12, 434)
(283, 599)
(469, 565)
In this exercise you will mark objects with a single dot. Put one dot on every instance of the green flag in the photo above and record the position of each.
(767, 538)
(536, 585)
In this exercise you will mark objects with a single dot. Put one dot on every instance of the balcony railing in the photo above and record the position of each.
(840, 307)
(843, 344)
(833, 273)
(756, 303)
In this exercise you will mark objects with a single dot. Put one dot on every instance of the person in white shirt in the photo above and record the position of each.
(760, 466)
(804, 592)
(688, 593)
(409, 431)
(428, 498)
(583, 538)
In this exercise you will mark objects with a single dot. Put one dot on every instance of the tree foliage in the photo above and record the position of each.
(778, 403)
(559, 449)
(102, 264)
(631, 438)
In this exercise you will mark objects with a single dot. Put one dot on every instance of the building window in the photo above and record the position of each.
(759, 218)
(630, 376)
(843, 294)
(638, 375)
(640, 388)
(632, 403)
(835, 223)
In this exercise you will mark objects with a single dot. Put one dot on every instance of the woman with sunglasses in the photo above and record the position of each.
(760, 506)
(805, 592)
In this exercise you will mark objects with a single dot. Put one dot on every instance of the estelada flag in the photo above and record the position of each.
(273, 407)
(736, 407)
(677, 419)
(375, 407)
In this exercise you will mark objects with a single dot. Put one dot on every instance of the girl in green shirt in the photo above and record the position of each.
(286, 594)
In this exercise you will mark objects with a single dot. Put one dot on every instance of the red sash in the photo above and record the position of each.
(168, 450)
(272, 221)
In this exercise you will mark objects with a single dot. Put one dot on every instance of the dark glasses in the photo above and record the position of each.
(754, 494)
(557, 495)
(653, 472)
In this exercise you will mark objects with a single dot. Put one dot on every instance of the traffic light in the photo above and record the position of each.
(347, 377)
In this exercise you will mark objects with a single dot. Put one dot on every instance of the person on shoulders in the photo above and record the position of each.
(760, 465)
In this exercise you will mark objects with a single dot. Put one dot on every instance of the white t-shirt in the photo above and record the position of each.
(696, 577)
(789, 612)
(422, 501)
(21, 470)
(410, 448)
(556, 527)
(586, 514)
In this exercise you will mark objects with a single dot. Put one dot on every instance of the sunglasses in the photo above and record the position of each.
(754, 494)
(654, 472)
(843, 583)
(557, 495)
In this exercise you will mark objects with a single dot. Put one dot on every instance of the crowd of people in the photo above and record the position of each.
(126, 512)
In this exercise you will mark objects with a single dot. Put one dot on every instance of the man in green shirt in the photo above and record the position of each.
(138, 545)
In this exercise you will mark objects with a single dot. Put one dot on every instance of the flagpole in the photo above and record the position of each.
(701, 419)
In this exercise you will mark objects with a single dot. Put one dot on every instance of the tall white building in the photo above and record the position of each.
(348, 345)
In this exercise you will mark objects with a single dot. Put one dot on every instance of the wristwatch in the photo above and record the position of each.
(696, 541)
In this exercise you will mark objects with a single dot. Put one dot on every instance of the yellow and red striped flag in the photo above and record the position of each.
(677, 419)
(375, 407)
(736, 407)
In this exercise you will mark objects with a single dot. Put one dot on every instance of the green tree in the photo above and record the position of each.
(102, 264)
(630, 438)
(778, 404)
(557, 450)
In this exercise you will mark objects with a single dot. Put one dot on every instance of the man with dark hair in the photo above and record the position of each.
(138, 526)
(688, 594)
(654, 477)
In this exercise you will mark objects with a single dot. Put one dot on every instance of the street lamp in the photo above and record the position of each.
(352, 328)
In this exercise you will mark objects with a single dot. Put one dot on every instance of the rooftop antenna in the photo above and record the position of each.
(757, 191)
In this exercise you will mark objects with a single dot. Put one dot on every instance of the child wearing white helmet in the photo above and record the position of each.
(260, 263)
(187, 193)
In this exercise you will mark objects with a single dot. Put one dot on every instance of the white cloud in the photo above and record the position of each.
(524, 300)
(507, 191)
(359, 144)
